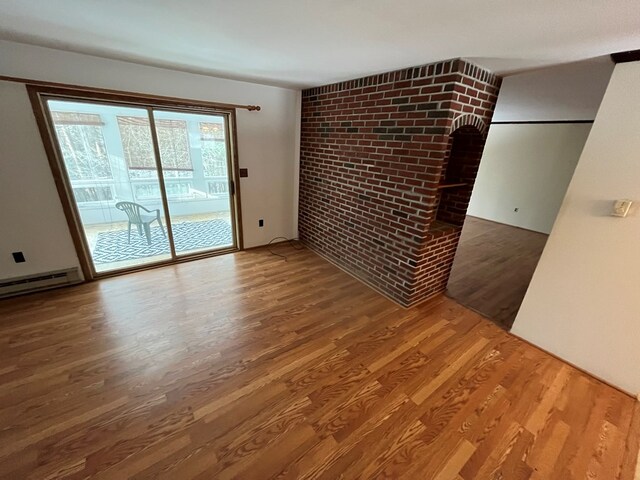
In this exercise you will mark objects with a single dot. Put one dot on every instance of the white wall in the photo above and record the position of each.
(565, 92)
(266, 146)
(31, 216)
(527, 167)
(583, 303)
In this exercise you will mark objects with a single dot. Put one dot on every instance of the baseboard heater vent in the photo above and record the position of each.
(40, 281)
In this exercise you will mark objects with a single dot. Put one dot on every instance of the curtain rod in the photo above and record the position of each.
(133, 95)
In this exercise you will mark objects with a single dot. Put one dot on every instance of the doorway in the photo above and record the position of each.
(521, 182)
(143, 184)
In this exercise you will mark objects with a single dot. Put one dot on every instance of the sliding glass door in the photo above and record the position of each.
(195, 164)
(146, 185)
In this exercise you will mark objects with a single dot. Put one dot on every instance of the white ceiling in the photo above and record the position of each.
(301, 43)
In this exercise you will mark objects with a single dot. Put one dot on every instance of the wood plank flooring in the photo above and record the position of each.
(493, 268)
(247, 366)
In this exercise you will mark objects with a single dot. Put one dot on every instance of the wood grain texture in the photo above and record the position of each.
(247, 366)
(493, 267)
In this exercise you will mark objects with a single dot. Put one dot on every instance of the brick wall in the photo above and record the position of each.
(375, 153)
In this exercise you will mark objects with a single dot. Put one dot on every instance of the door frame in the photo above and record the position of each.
(39, 94)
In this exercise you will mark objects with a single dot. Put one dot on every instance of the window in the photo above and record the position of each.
(173, 141)
(152, 191)
(114, 155)
(82, 145)
(92, 194)
(214, 150)
(218, 187)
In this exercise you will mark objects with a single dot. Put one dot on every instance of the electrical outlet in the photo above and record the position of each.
(621, 208)
(261, 223)
(18, 257)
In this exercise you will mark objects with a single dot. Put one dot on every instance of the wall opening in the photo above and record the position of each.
(458, 175)
(521, 180)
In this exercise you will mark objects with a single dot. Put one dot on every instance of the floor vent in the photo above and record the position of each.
(40, 281)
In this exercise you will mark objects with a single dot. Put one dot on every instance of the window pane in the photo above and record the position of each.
(136, 142)
(120, 209)
(200, 206)
(82, 145)
(214, 149)
(152, 190)
(92, 194)
(212, 131)
(173, 140)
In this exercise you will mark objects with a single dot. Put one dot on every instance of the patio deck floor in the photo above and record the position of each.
(93, 235)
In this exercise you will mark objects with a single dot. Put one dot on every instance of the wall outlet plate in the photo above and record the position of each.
(621, 208)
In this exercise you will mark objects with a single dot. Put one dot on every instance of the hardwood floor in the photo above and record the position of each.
(247, 366)
(493, 268)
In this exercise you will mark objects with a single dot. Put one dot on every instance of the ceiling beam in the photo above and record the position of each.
(624, 57)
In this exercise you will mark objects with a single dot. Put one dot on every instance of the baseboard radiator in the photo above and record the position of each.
(38, 282)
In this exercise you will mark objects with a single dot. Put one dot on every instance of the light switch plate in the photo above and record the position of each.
(621, 208)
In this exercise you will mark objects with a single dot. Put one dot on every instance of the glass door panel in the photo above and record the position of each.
(109, 159)
(196, 169)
